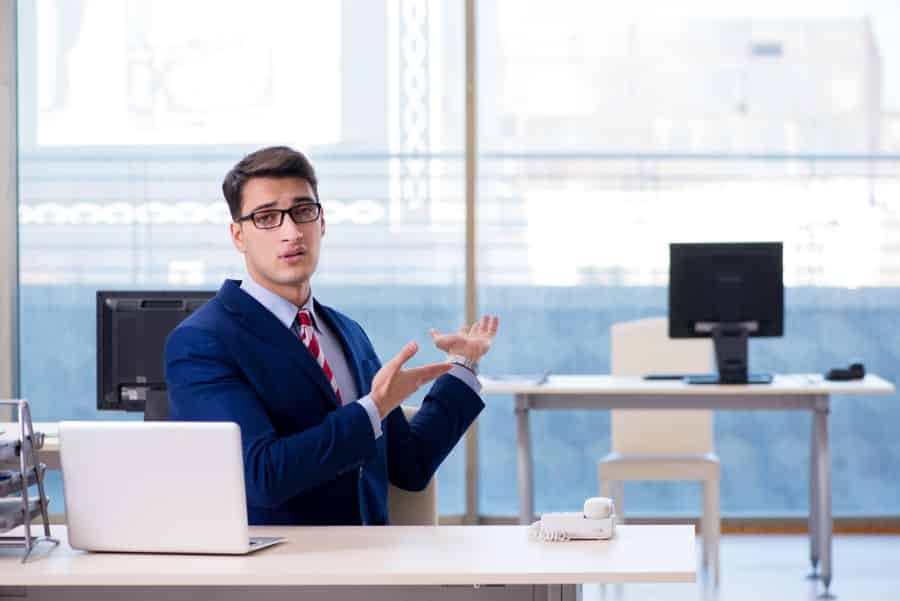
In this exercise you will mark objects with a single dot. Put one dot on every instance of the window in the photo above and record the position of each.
(607, 132)
(131, 115)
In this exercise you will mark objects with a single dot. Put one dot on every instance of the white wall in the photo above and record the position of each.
(8, 212)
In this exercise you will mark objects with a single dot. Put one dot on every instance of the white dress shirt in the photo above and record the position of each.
(286, 312)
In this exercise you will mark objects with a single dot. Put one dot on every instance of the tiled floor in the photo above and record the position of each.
(774, 568)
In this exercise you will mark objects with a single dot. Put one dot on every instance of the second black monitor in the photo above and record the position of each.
(132, 327)
(728, 292)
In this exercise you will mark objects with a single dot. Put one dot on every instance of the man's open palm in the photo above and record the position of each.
(472, 342)
(392, 384)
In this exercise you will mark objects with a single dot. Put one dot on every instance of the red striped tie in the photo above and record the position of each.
(308, 336)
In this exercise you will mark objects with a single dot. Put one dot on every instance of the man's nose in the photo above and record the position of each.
(289, 230)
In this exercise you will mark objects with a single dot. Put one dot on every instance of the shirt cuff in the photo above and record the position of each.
(466, 376)
(369, 405)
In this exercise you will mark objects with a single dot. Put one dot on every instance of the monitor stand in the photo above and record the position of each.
(150, 399)
(730, 340)
(156, 407)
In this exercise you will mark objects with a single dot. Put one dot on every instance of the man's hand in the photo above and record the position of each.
(470, 342)
(392, 384)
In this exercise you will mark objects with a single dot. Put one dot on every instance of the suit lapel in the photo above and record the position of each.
(260, 322)
(337, 326)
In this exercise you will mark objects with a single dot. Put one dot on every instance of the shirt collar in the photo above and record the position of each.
(310, 306)
(284, 310)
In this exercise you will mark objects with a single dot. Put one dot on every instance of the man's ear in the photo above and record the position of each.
(237, 237)
(322, 219)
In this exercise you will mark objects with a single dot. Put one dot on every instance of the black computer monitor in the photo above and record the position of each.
(132, 327)
(728, 292)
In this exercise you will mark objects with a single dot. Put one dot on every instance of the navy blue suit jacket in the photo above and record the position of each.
(306, 461)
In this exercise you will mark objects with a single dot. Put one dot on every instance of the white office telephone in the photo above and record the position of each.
(597, 521)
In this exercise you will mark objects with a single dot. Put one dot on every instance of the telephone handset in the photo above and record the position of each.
(597, 521)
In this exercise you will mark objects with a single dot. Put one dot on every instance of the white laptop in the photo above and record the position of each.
(156, 487)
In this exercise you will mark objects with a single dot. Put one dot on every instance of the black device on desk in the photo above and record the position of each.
(856, 371)
(727, 292)
(132, 327)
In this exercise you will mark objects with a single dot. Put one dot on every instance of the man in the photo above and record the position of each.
(321, 427)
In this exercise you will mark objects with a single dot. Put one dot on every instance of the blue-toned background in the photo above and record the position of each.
(765, 455)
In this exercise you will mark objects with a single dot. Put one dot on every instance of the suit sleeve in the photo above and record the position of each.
(416, 449)
(205, 384)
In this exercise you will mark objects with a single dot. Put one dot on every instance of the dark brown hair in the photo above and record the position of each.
(274, 161)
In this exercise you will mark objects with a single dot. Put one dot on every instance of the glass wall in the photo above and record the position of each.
(607, 132)
(131, 115)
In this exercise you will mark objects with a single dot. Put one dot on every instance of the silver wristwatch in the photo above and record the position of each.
(472, 366)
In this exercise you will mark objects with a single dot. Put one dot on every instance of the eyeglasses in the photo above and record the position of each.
(269, 219)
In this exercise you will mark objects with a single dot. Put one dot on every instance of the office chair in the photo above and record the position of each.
(407, 508)
(659, 444)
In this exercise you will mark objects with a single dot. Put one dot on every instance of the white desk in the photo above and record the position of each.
(787, 392)
(356, 562)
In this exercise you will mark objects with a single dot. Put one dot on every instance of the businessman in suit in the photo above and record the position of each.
(321, 427)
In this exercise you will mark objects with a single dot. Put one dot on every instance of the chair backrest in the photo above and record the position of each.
(642, 347)
(407, 508)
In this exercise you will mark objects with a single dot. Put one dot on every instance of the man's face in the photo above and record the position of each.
(286, 256)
